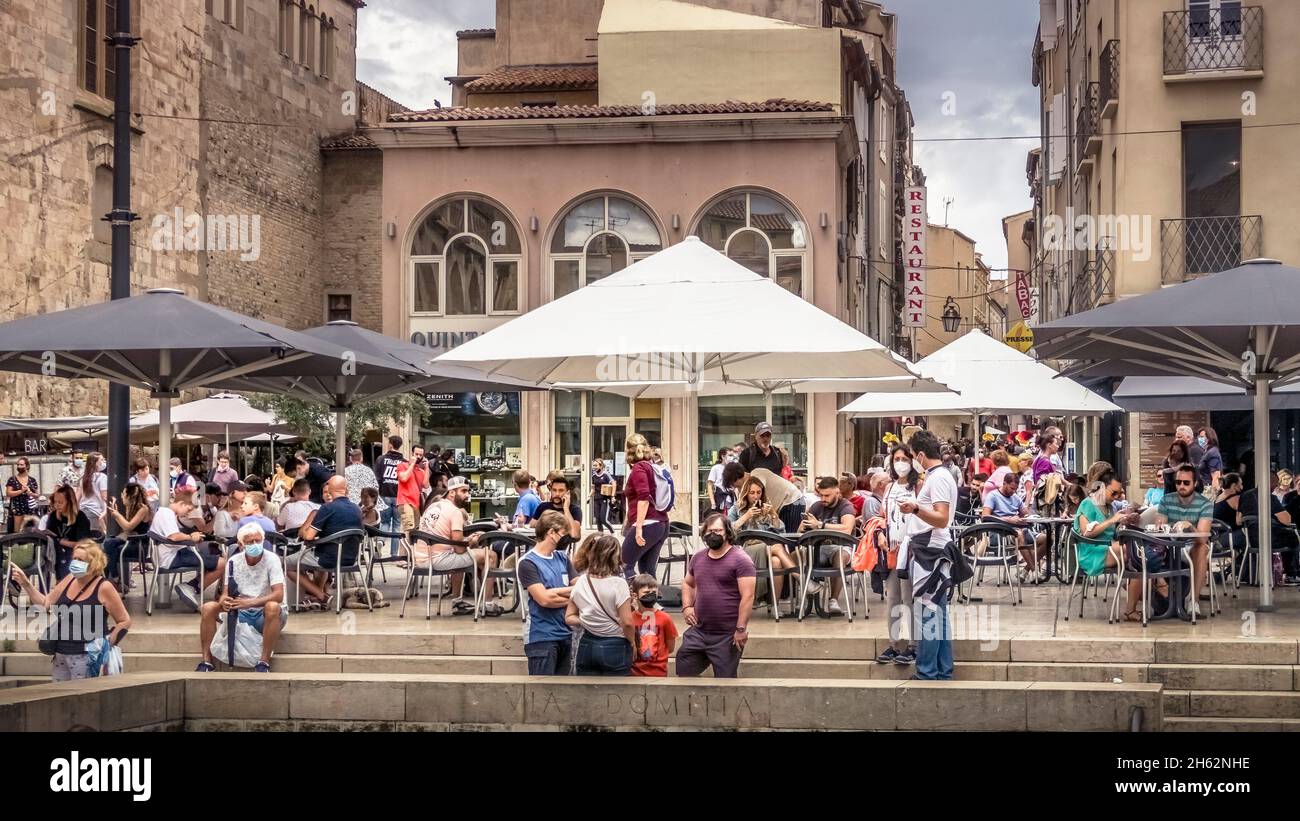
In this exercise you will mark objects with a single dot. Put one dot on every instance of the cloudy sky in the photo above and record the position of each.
(973, 53)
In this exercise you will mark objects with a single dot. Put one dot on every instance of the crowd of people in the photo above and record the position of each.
(594, 602)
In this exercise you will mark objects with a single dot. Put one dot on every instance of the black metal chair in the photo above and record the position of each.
(376, 541)
(810, 544)
(347, 559)
(138, 543)
(1135, 543)
(994, 544)
(676, 550)
(29, 552)
(791, 544)
(151, 580)
(480, 526)
(427, 571)
(1222, 549)
(510, 547)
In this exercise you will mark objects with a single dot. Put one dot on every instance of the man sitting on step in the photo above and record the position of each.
(258, 602)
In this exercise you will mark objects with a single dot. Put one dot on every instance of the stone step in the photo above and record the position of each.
(507, 641)
(1201, 724)
(1234, 705)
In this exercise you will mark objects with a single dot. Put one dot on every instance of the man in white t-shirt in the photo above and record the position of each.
(295, 513)
(258, 599)
(172, 540)
(929, 520)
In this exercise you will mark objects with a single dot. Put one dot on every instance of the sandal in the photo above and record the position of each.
(1132, 615)
(492, 609)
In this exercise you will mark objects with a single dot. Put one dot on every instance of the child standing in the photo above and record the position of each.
(657, 632)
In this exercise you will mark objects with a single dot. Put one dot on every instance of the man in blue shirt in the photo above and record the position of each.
(1006, 506)
(336, 515)
(547, 576)
(526, 509)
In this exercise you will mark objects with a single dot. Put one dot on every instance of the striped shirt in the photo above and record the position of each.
(1197, 508)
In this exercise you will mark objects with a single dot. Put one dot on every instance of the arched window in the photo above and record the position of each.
(465, 258)
(326, 46)
(760, 232)
(597, 237)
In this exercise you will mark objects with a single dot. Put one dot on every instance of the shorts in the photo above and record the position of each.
(446, 560)
(326, 558)
(406, 513)
(187, 559)
(257, 618)
(826, 554)
(70, 667)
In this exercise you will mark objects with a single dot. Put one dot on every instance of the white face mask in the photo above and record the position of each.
(917, 466)
(902, 469)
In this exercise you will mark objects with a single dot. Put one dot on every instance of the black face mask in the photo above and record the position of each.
(714, 540)
(649, 599)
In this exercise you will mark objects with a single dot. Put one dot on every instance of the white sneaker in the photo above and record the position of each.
(1191, 605)
(1021, 572)
(813, 587)
(188, 595)
(834, 607)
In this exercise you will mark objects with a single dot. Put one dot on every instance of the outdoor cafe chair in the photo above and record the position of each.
(1077, 576)
(151, 581)
(344, 541)
(1135, 543)
(791, 544)
(810, 544)
(1250, 556)
(1222, 563)
(140, 543)
(426, 571)
(993, 544)
(510, 547)
(377, 541)
(676, 550)
(29, 552)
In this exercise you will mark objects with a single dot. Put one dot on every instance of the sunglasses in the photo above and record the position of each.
(1184, 483)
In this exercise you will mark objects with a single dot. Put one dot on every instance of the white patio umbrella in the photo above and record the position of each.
(222, 415)
(687, 315)
(991, 378)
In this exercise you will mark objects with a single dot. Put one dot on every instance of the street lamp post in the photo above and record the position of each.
(951, 316)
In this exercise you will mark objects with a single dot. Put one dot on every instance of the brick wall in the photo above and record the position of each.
(354, 231)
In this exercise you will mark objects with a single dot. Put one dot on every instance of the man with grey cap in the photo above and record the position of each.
(761, 454)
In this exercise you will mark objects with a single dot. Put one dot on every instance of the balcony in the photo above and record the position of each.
(1110, 79)
(1212, 44)
(1087, 131)
(1190, 248)
(1094, 279)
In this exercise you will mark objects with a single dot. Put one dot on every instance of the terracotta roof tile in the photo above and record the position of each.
(469, 34)
(561, 112)
(569, 77)
(347, 142)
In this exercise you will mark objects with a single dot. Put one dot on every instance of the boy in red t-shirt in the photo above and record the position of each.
(655, 629)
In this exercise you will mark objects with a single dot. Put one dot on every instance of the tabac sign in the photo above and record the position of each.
(914, 221)
(1023, 298)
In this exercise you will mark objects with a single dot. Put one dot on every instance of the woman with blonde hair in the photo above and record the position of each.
(646, 526)
(81, 598)
(601, 604)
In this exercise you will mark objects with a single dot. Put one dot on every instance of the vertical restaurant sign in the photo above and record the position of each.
(1023, 298)
(914, 221)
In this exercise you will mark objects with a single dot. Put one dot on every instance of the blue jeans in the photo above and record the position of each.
(604, 655)
(934, 647)
(390, 522)
(548, 658)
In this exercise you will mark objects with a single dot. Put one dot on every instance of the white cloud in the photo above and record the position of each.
(405, 48)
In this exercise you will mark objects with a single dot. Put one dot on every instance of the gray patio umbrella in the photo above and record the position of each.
(1189, 393)
(1239, 328)
(164, 342)
(340, 392)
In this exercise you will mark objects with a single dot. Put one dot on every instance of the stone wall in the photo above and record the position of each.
(189, 70)
(290, 702)
(354, 231)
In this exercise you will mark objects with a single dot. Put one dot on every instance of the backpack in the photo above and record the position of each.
(665, 492)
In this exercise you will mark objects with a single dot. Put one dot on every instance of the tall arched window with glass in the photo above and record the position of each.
(464, 260)
(597, 237)
(760, 232)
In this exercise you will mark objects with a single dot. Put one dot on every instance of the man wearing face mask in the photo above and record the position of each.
(71, 475)
(717, 600)
(929, 519)
(259, 585)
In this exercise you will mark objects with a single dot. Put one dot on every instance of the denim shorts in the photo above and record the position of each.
(548, 658)
(257, 618)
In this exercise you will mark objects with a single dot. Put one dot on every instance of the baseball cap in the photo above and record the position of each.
(175, 460)
(213, 489)
(457, 481)
(762, 427)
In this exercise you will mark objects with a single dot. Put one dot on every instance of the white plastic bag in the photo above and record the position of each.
(248, 643)
(104, 658)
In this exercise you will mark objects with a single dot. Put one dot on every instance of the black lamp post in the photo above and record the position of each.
(951, 316)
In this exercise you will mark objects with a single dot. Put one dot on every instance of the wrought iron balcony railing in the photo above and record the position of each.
(1087, 132)
(1228, 39)
(1206, 245)
(1110, 79)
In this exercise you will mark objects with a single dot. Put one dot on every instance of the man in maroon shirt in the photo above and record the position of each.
(717, 600)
